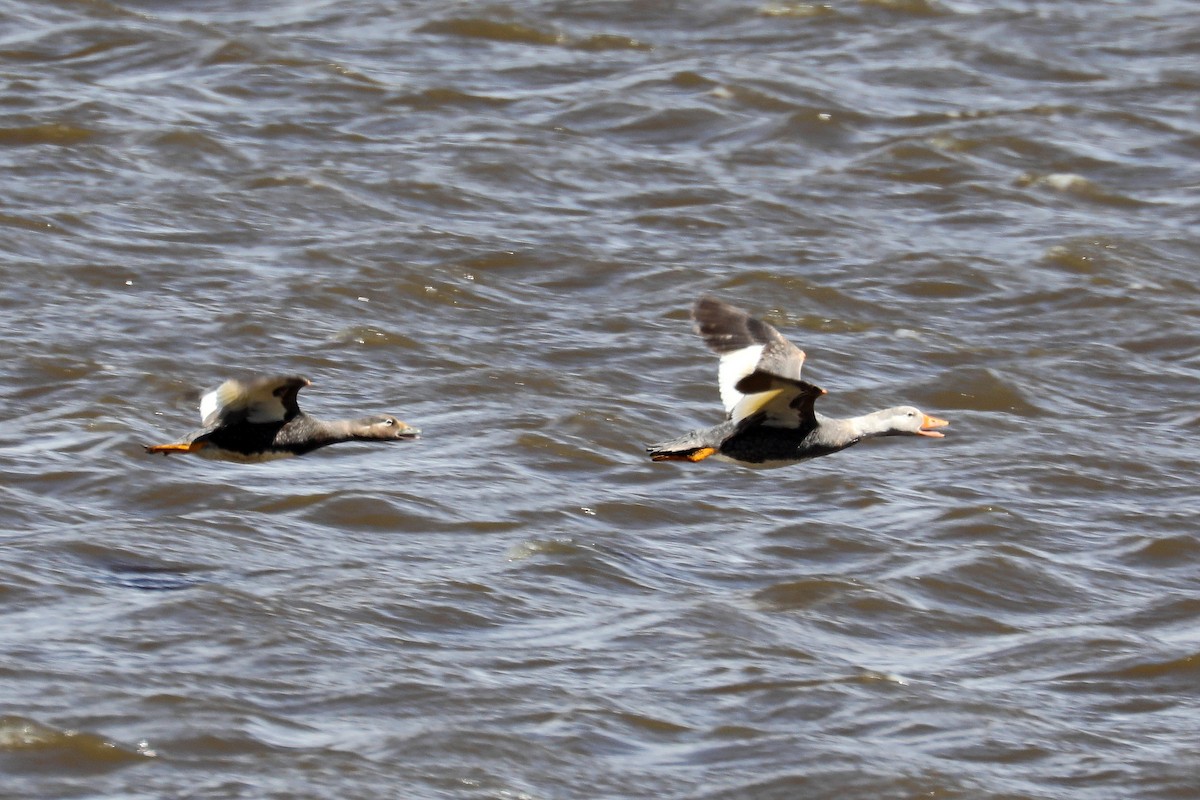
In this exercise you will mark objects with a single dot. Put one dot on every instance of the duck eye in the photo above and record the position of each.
(389, 422)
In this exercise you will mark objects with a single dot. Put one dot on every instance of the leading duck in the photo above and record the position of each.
(770, 419)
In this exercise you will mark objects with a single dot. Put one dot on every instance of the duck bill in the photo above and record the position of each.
(932, 422)
(407, 431)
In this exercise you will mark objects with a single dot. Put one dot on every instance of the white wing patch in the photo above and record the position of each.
(258, 399)
(210, 403)
(734, 366)
(777, 403)
(266, 409)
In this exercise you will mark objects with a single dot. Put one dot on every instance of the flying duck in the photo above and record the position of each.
(259, 419)
(770, 419)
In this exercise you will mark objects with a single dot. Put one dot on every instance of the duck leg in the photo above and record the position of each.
(178, 447)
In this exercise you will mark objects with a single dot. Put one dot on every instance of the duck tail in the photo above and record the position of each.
(685, 448)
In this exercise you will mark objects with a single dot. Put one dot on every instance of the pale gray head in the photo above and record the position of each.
(909, 421)
(382, 427)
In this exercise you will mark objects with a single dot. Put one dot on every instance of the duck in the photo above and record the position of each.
(771, 420)
(259, 419)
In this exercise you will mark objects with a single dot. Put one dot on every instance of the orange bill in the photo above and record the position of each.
(932, 422)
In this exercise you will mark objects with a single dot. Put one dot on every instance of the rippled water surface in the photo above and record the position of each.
(491, 220)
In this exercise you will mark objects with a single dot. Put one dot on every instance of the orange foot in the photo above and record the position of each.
(167, 449)
(699, 454)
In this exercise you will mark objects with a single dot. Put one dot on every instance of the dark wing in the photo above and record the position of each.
(264, 399)
(288, 391)
(745, 345)
(784, 402)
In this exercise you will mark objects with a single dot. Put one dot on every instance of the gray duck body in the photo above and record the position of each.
(770, 415)
(260, 419)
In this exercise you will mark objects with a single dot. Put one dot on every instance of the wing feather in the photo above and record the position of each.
(265, 399)
(745, 345)
(785, 403)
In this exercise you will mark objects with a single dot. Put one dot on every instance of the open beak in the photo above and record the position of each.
(932, 422)
(406, 431)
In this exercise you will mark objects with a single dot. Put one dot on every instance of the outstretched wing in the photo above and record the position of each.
(266, 399)
(745, 345)
(783, 402)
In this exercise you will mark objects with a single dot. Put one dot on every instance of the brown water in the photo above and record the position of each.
(491, 220)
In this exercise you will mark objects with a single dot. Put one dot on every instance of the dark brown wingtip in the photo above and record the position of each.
(759, 381)
(706, 305)
(722, 326)
(726, 328)
(288, 393)
(755, 382)
(293, 382)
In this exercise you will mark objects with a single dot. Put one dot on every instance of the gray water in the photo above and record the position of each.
(491, 220)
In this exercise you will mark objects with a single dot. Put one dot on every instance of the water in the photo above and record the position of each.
(491, 221)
